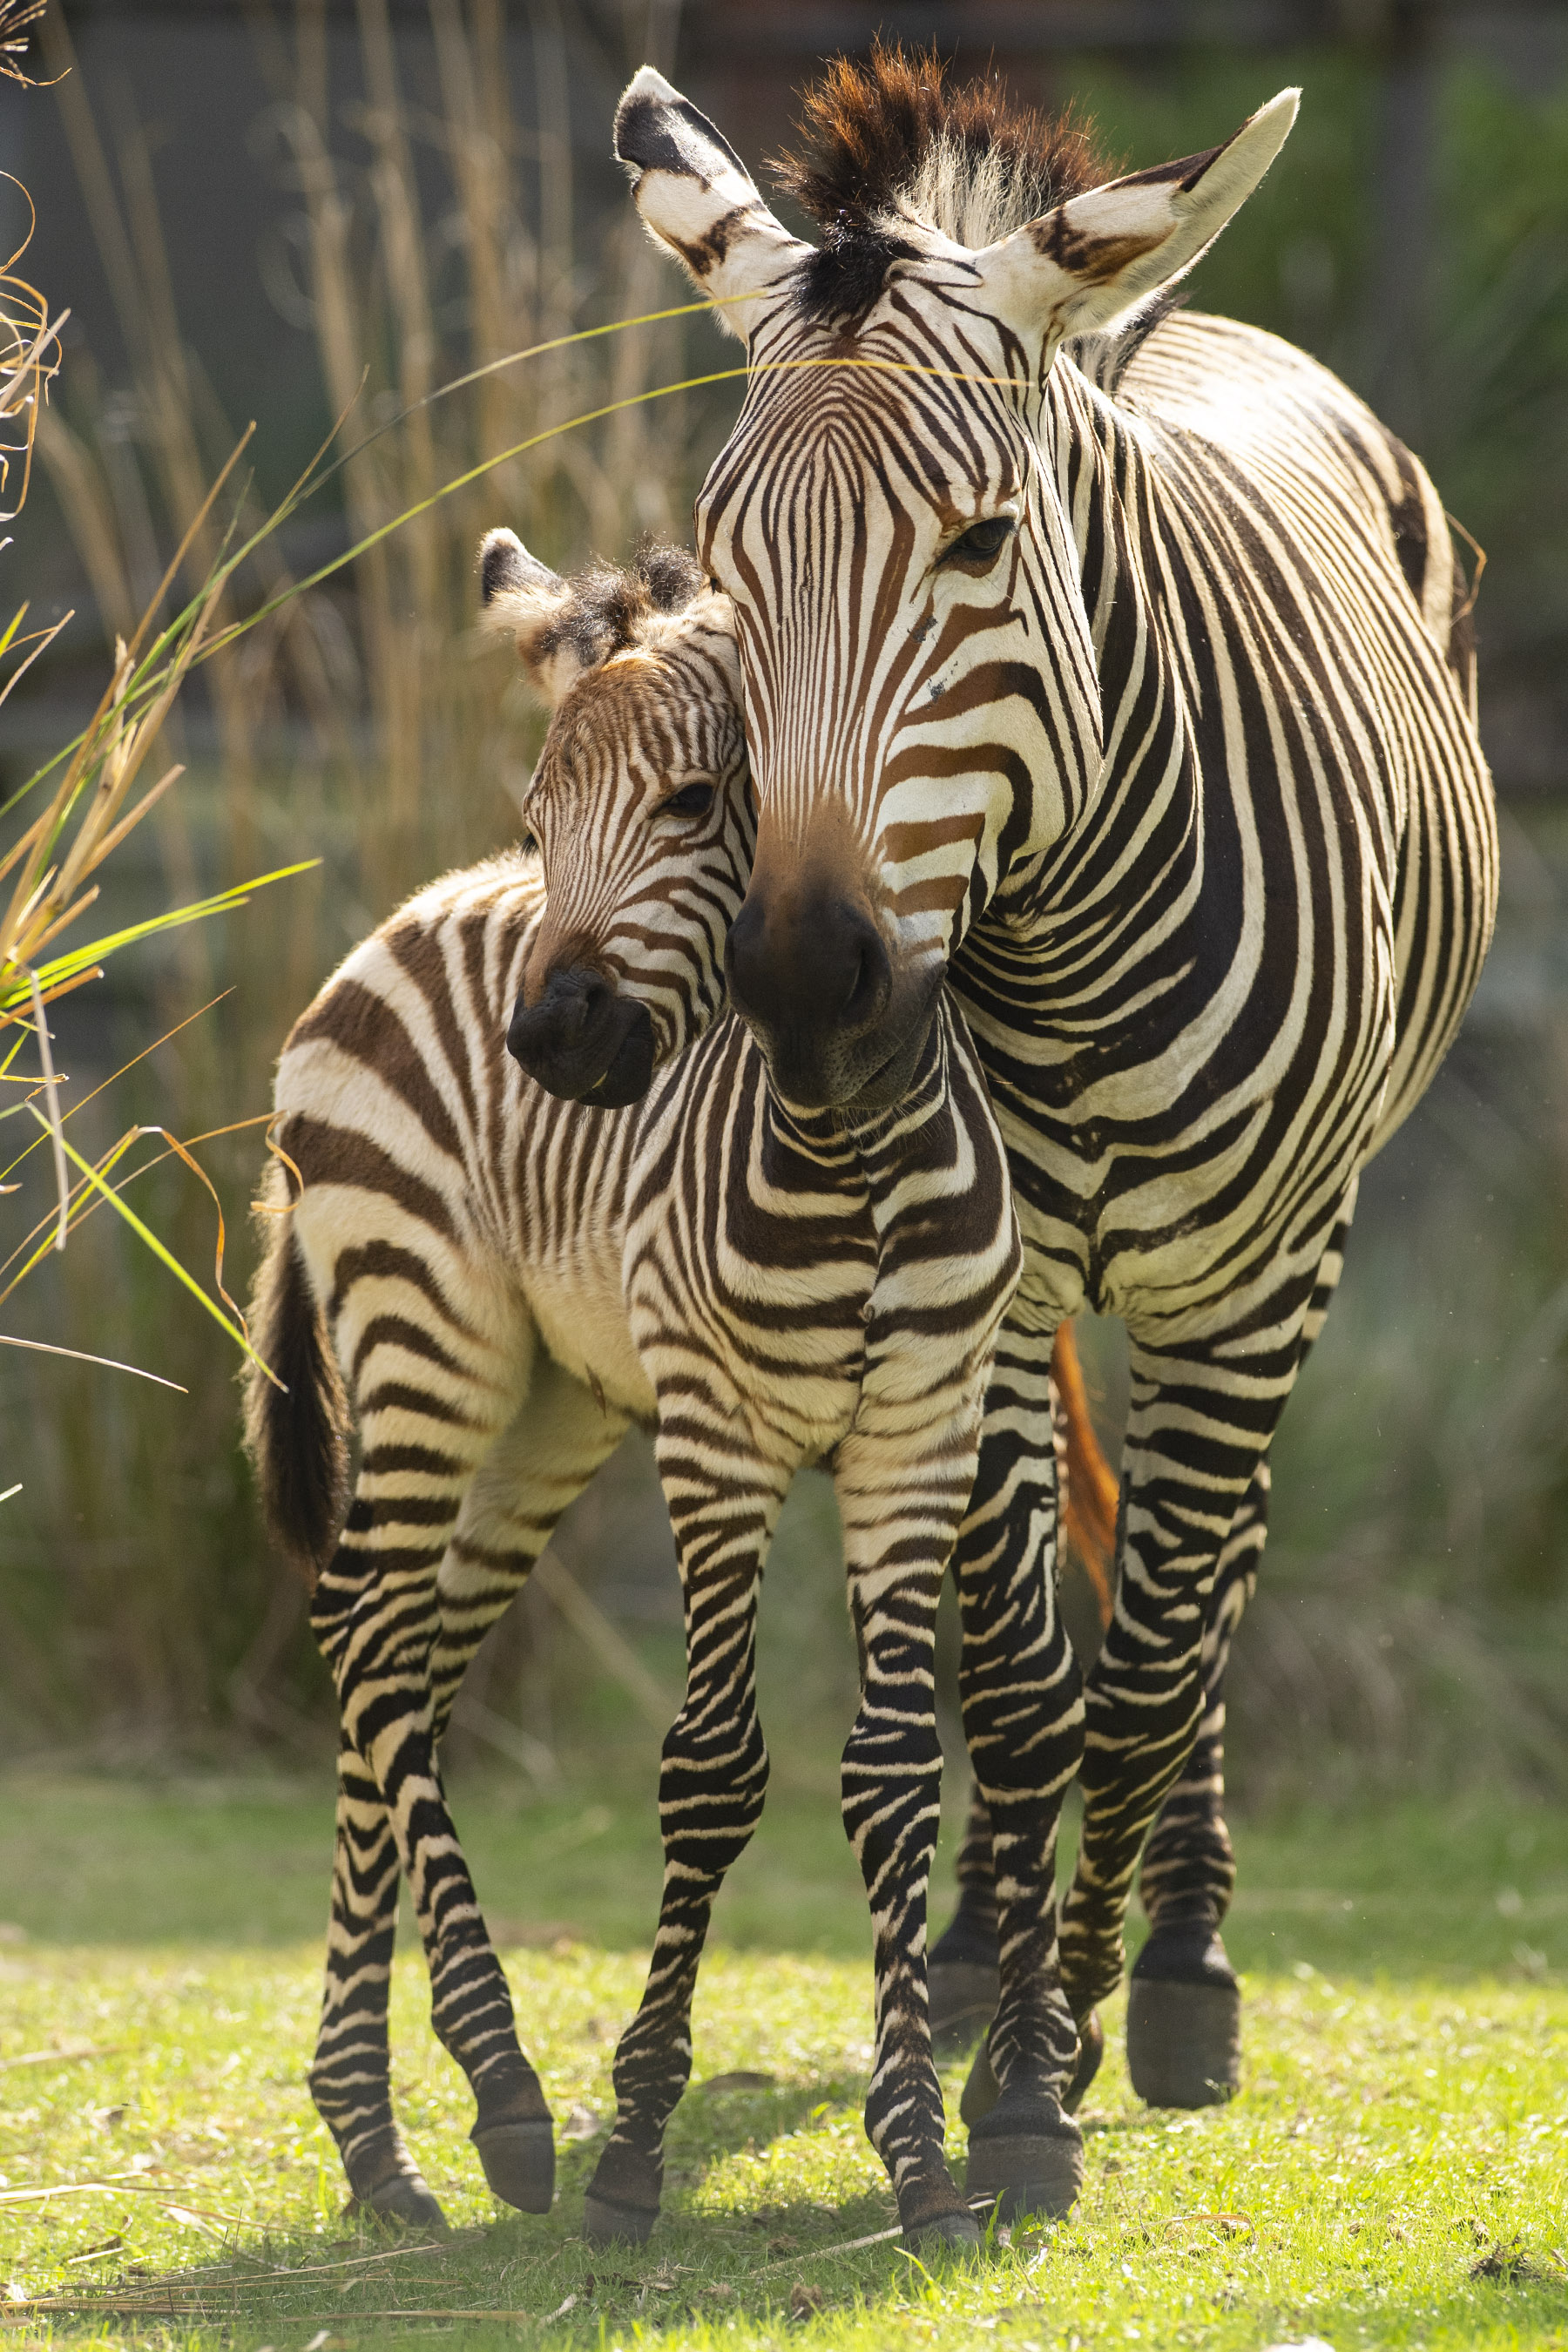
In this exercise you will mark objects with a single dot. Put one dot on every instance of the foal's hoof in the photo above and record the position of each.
(520, 2163)
(404, 2197)
(962, 1996)
(605, 2223)
(961, 2230)
(1184, 2021)
(1028, 2155)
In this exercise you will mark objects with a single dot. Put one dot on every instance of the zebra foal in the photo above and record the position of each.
(504, 1279)
(1140, 712)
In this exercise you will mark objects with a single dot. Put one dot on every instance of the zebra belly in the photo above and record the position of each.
(580, 1309)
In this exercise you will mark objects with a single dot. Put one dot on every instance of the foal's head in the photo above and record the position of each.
(639, 805)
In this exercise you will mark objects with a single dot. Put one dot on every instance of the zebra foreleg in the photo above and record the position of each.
(1023, 1720)
(711, 1785)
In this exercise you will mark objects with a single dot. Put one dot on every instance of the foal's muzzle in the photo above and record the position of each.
(583, 1041)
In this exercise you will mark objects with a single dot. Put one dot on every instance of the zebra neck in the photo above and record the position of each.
(1142, 820)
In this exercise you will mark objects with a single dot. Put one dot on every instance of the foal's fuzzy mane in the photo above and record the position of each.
(890, 140)
(611, 605)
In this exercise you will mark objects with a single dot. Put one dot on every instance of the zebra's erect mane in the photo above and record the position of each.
(890, 140)
(611, 605)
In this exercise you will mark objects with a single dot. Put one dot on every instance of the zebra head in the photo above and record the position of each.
(639, 806)
(893, 515)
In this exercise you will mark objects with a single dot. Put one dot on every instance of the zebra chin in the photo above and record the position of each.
(584, 1042)
(863, 1071)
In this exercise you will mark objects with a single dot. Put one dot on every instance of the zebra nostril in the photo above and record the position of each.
(872, 983)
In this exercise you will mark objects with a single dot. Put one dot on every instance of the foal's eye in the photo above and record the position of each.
(530, 845)
(692, 800)
(983, 542)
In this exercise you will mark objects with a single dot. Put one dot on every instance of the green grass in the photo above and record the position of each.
(1404, 2114)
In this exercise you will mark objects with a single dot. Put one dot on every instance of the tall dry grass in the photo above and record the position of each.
(433, 237)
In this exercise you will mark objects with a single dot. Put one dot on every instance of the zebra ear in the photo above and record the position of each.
(523, 599)
(1087, 264)
(698, 199)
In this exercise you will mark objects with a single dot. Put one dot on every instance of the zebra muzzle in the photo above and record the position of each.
(583, 1041)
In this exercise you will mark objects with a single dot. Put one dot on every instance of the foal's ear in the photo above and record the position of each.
(523, 599)
(698, 201)
(1087, 264)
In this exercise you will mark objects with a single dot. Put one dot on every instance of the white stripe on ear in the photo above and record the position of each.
(1087, 264)
(698, 199)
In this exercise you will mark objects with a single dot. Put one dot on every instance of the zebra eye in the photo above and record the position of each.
(983, 542)
(530, 844)
(692, 800)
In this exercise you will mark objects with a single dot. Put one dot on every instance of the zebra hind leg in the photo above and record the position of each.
(1184, 2004)
(711, 1785)
(377, 1617)
(537, 1467)
(350, 2077)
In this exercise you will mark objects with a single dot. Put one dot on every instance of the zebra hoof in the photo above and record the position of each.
(520, 2163)
(959, 2230)
(404, 2197)
(1091, 2051)
(1183, 2022)
(963, 2000)
(605, 2223)
(1028, 2156)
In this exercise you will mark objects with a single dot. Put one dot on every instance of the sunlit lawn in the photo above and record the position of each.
(1393, 2173)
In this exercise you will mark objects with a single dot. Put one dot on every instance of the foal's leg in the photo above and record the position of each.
(430, 1408)
(510, 1511)
(711, 1784)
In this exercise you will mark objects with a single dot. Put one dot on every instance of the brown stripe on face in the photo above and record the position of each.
(902, 842)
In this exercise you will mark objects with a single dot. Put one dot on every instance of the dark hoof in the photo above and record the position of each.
(1030, 2160)
(1183, 2022)
(961, 2230)
(605, 2223)
(404, 2199)
(962, 1996)
(1184, 2042)
(1091, 2051)
(981, 2091)
(520, 2163)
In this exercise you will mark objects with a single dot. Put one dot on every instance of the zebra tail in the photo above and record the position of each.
(297, 1436)
(1092, 1492)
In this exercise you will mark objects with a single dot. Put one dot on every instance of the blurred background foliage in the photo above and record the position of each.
(330, 211)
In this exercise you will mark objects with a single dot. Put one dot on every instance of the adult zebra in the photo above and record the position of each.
(1142, 716)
